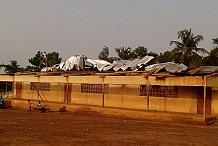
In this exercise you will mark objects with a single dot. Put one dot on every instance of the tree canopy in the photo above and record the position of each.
(212, 58)
(43, 59)
(186, 50)
(13, 67)
(140, 51)
(104, 54)
(123, 53)
(165, 57)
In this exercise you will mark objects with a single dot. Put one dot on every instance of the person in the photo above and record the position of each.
(29, 104)
(1, 102)
(40, 107)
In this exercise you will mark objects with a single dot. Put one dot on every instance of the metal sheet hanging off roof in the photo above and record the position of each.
(99, 64)
(169, 66)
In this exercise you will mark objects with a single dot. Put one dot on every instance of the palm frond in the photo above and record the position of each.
(177, 43)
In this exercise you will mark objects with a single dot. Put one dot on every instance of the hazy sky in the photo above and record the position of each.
(84, 27)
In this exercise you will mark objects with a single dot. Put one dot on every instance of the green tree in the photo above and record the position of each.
(165, 57)
(13, 67)
(36, 62)
(138, 52)
(124, 53)
(43, 59)
(212, 58)
(104, 54)
(187, 50)
(50, 59)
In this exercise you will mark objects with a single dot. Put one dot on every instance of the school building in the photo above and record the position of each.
(196, 94)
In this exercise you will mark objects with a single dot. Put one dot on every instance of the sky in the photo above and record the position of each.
(84, 27)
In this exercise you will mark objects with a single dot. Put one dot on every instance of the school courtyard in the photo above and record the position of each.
(19, 127)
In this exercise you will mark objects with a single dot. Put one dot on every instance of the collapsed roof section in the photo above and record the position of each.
(168, 66)
(74, 62)
(136, 64)
(80, 63)
(146, 64)
(204, 70)
(101, 65)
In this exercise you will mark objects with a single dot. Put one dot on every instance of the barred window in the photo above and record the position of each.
(95, 88)
(42, 86)
(160, 91)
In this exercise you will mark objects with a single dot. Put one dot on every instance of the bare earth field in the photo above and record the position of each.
(20, 128)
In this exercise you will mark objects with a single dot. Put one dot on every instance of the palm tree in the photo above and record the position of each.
(212, 58)
(187, 50)
(13, 67)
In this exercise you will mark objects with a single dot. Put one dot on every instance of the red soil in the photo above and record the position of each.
(19, 127)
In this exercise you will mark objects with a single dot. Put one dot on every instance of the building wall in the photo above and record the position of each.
(55, 93)
(186, 101)
(214, 102)
(125, 96)
(123, 92)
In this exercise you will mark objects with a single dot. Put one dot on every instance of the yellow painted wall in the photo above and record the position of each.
(119, 95)
(131, 90)
(26, 93)
(85, 79)
(186, 101)
(125, 96)
(113, 100)
(134, 102)
(157, 103)
(76, 97)
(116, 89)
(85, 98)
(166, 81)
(115, 96)
(212, 81)
(93, 99)
(55, 93)
(214, 102)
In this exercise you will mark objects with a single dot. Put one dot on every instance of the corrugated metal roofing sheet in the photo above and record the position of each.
(204, 70)
(169, 67)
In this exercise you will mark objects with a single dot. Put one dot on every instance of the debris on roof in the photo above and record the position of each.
(99, 64)
(47, 69)
(204, 70)
(136, 66)
(136, 63)
(168, 66)
(118, 64)
(79, 63)
(73, 62)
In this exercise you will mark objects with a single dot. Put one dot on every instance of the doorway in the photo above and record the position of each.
(200, 100)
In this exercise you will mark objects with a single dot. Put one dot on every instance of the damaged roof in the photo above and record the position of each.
(79, 63)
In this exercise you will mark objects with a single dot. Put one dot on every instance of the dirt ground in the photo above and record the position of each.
(20, 128)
